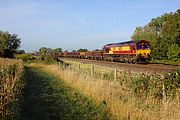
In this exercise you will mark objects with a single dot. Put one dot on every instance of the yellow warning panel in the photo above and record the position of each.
(119, 48)
(147, 51)
(125, 48)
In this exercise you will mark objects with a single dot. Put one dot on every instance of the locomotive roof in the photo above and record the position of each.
(123, 43)
(120, 43)
(127, 42)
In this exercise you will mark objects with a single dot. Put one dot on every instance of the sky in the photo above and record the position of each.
(75, 24)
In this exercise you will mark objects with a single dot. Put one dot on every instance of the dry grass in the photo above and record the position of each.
(10, 85)
(122, 104)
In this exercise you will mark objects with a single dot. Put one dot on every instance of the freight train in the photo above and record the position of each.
(130, 52)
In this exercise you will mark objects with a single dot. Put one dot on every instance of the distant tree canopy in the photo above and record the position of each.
(96, 50)
(57, 50)
(45, 49)
(9, 44)
(20, 52)
(73, 51)
(82, 50)
(164, 35)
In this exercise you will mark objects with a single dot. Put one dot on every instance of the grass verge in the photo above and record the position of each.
(47, 97)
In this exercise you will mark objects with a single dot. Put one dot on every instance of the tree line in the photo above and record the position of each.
(163, 33)
(44, 51)
(58, 50)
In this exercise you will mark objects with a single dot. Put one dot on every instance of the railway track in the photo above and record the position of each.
(147, 68)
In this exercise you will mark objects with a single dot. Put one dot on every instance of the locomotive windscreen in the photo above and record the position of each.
(143, 46)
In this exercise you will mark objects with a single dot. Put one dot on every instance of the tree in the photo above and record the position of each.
(57, 50)
(73, 51)
(13, 42)
(82, 50)
(171, 28)
(138, 33)
(9, 43)
(173, 52)
(2, 43)
(43, 50)
(20, 52)
(49, 50)
(96, 50)
(161, 32)
(42, 53)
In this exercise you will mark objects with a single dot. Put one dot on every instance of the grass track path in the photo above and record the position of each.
(46, 98)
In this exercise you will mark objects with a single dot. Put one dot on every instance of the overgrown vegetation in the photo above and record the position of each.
(145, 86)
(164, 35)
(172, 83)
(10, 88)
(152, 96)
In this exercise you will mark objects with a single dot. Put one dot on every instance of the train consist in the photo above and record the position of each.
(130, 52)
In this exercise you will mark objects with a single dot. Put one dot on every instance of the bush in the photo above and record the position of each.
(145, 85)
(49, 59)
(24, 57)
(42, 56)
(172, 83)
(140, 85)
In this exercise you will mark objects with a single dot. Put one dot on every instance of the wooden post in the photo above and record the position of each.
(128, 116)
(79, 67)
(69, 66)
(163, 88)
(59, 64)
(115, 74)
(92, 70)
(178, 96)
(164, 93)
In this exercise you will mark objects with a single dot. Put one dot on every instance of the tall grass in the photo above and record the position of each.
(129, 97)
(10, 87)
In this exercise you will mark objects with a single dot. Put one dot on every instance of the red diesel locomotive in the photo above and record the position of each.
(130, 51)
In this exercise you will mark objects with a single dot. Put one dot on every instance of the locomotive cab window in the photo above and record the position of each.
(142, 46)
(139, 46)
(146, 46)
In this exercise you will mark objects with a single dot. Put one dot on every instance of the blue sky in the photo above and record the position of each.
(74, 24)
